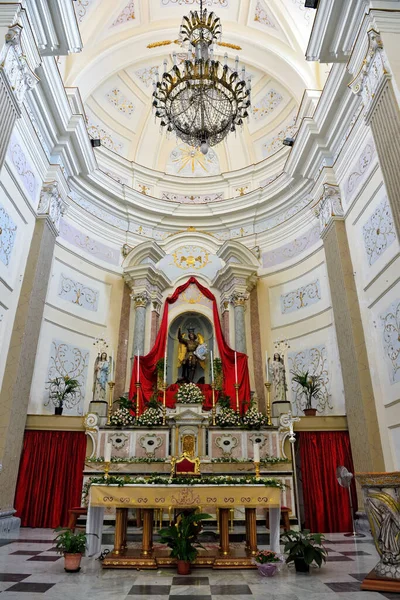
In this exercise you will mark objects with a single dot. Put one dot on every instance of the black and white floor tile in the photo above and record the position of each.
(30, 569)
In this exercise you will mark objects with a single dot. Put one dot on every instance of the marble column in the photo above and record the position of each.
(20, 362)
(374, 83)
(239, 307)
(155, 321)
(16, 78)
(358, 390)
(140, 300)
(123, 339)
(256, 348)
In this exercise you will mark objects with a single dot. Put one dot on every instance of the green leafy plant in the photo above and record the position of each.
(305, 546)
(182, 537)
(124, 402)
(224, 401)
(311, 386)
(62, 389)
(218, 374)
(68, 542)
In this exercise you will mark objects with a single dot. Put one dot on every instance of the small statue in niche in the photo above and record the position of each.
(101, 373)
(278, 378)
(192, 351)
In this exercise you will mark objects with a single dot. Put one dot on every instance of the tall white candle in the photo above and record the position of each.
(256, 453)
(266, 367)
(138, 364)
(107, 452)
(165, 366)
(212, 366)
(236, 372)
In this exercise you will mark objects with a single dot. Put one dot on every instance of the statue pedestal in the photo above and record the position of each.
(381, 493)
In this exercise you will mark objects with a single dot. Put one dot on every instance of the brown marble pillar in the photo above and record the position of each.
(256, 347)
(224, 530)
(147, 540)
(123, 340)
(225, 320)
(155, 321)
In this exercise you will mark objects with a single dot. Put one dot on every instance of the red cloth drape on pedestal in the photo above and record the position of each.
(326, 504)
(148, 363)
(50, 477)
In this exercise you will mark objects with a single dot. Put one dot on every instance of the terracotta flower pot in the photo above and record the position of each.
(183, 567)
(310, 412)
(72, 562)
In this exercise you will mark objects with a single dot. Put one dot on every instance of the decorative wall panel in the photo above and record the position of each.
(193, 198)
(275, 143)
(78, 293)
(262, 15)
(98, 212)
(126, 15)
(24, 168)
(120, 102)
(210, 3)
(315, 361)
(147, 75)
(8, 233)
(360, 169)
(87, 244)
(108, 139)
(378, 232)
(190, 162)
(81, 8)
(66, 359)
(301, 297)
(267, 104)
(283, 216)
(390, 320)
(292, 249)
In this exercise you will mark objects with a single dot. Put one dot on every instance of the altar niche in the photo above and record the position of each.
(202, 327)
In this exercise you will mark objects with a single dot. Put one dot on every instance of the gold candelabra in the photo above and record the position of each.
(257, 468)
(164, 418)
(237, 396)
(138, 390)
(268, 402)
(111, 385)
(213, 403)
(106, 470)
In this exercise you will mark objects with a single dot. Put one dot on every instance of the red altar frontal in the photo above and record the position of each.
(172, 390)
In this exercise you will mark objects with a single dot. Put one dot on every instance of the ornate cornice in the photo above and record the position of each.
(329, 207)
(14, 65)
(52, 204)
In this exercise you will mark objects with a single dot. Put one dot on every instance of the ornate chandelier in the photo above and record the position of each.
(202, 100)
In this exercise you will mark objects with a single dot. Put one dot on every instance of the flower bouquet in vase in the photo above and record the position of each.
(267, 562)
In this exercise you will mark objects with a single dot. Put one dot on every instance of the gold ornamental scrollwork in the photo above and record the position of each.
(191, 257)
(186, 497)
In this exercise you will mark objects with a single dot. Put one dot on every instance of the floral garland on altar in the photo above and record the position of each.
(189, 393)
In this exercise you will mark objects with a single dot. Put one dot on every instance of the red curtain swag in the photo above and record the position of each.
(326, 504)
(147, 364)
(50, 477)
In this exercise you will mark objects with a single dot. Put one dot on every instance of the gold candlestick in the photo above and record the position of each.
(138, 388)
(213, 402)
(106, 470)
(257, 468)
(164, 403)
(268, 386)
(111, 385)
(237, 396)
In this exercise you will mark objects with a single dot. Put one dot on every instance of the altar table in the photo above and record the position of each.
(149, 497)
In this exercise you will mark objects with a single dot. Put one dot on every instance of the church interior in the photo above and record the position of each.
(199, 299)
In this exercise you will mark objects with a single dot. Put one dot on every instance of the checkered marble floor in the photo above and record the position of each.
(30, 569)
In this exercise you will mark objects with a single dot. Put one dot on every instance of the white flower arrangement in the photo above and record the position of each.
(150, 418)
(254, 419)
(228, 417)
(189, 393)
(122, 418)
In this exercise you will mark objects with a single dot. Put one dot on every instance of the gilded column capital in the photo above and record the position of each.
(373, 74)
(239, 299)
(14, 64)
(52, 204)
(141, 299)
(329, 206)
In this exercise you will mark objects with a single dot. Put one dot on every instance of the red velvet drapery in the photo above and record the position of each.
(147, 364)
(50, 477)
(326, 504)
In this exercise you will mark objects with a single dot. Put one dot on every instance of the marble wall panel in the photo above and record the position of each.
(22, 164)
(8, 232)
(378, 232)
(78, 293)
(359, 171)
(301, 297)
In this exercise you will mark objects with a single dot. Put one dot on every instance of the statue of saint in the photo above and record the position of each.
(192, 351)
(278, 377)
(101, 372)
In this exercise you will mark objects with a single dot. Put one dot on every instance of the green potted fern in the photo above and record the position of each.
(182, 538)
(304, 548)
(61, 389)
(311, 388)
(72, 546)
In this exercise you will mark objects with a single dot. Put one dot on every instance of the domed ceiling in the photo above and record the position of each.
(125, 42)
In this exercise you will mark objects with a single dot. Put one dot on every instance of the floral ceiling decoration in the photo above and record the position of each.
(147, 74)
(210, 3)
(121, 102)
(267, 104)
(190, 162)
(262, 15)
(126, 15)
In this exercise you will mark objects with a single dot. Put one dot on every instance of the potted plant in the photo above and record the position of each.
(73, 546)
(311, 388)
(61, 390)
(304, 548)
(267, 562)
(181, 537)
